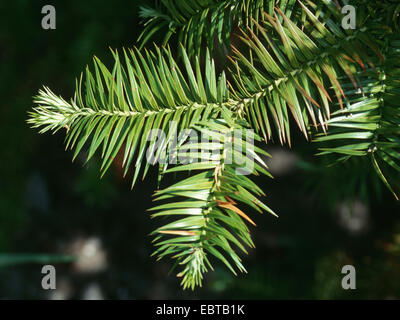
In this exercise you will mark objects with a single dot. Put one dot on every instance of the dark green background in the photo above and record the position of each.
(47, 202)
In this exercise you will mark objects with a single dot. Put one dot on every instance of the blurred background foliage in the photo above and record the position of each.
(329, 216)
